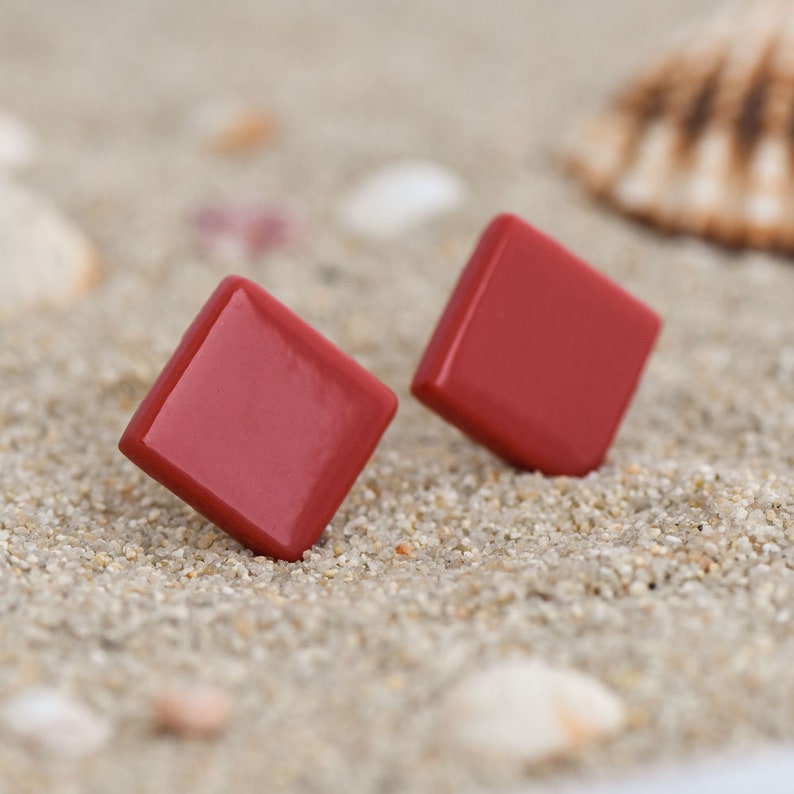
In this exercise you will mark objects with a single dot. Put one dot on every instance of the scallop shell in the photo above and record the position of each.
(702, 140)
(44, 259)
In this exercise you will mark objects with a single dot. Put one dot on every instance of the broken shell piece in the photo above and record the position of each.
(17, 143)
(524, 711)
(770, 771)
(400, 196)
(701, 142)
(54, 722)
(44, 259)
(198, 712)
(240, 230)
(234, 128)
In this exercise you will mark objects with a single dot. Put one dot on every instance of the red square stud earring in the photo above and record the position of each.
(259, 422)
(537, 354)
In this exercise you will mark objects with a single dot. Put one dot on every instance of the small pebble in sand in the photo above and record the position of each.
(45, 260)
(193, 712)
(526, 711)
(54, 723)
(240, 230)
(400, 196)
(17, 143)
(229, 127)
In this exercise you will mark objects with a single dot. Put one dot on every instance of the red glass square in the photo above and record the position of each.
(259, 422)
(537, 354)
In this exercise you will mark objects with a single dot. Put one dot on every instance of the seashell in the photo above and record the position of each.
(702, 140)
(524, 711)
(54, 723)
(237, 230)
(398, 197)
(769, 771)
(17, 143)
(230, 127)
(44, 259)
(194, 712)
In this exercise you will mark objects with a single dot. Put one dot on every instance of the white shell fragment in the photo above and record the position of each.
(524, 711)
(17, 143)
(44, 259)
(701, 142)
(770, 772)
(198, 712)
(54, 723)
(400, 196)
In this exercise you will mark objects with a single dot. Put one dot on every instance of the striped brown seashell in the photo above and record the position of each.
(702, 140)
(44, 259)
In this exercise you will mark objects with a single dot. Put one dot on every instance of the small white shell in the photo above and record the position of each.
(398, 197)
(44, 259)
(702, 141)
(54, 722)
(525, 711)
(17, 143)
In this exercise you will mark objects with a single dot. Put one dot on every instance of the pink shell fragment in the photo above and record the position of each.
(193, 711)
(239, 230)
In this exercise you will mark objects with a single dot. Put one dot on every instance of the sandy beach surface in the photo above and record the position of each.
(667, 574)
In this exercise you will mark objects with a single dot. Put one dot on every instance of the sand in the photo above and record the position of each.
(667, 574)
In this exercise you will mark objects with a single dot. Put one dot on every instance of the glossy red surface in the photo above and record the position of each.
(537, 354)
(258, 422)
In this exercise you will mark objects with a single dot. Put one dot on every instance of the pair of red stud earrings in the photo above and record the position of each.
(262, 425)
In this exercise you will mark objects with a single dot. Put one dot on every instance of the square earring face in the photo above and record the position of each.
(537, 354)
(259, 422)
